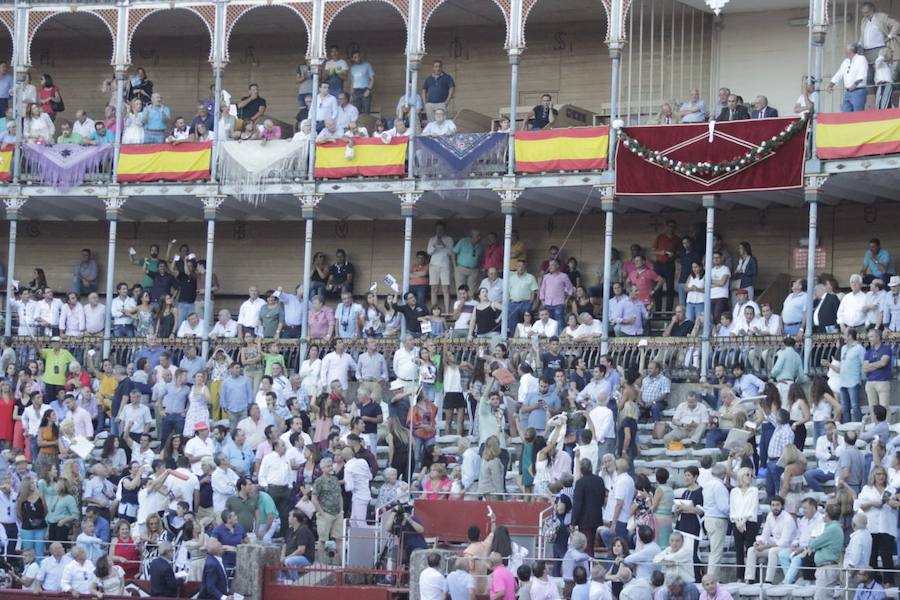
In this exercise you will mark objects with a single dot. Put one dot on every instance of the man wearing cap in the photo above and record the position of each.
(199, 446)
(56, 363)
(890, 305)
(163, 580)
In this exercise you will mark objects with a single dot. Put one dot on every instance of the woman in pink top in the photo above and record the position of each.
(321, 320)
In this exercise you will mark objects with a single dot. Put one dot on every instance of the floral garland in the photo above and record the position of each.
(752, 156)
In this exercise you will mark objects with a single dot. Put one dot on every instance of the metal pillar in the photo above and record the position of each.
(20, 68)
(315, 58)
(615, 55)
(814, 184)
(414, 65)
(315, 65)
(508, 200)
(309, 210)
(407, 211)
(13, 205)
(218, 66)
(607, 203)
(616, 10)
(121, 69)
(709, 203)
(114, 206)
(211, 205)
(515, 54)
(818, 33)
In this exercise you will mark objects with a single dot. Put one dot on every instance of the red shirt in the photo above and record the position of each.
(493, 257)
(665, 243)
(418, 274)
(644, 280)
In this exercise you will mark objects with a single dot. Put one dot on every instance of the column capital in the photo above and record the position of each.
(113, 204)
(13, 205)
(315, 62)
(211, 205)
(408, 201)
(309, 204)
(709, 200)
(814, 182)
(415, 60)
(121, 70)
(515, 54)
(508, 199)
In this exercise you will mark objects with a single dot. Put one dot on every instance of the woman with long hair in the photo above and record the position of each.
(172, 451)
(154, 533)
(580, 302)
(798, 406)
(134, 122)
(765, 419)
(490, 480)
(661, 506)
(166, 317)
(486, 315)
(128, 488)
(694, 288)
(251, 358)
(199, 400)
(319, 276)
(194, 541)
(619, 554)
(116, 456)
(744, 511)
(217, 366)
(309, 372)
(825, 405)
(63, 513)
(373, 320)
(123, 551)
(139, 87)
(49, 96)
(48, 443)
(745, 269)
(31, 511)
(687, 516)
(110, 578)
(398, 442)
(38, 129)
(145, 323)
(423, 422)
(880, 505)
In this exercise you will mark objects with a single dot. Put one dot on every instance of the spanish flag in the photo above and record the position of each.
(6, 160)
(856, 134)
(164, 162)
(371, 157)
(572, 149)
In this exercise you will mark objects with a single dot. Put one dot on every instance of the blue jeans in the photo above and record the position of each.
(773, 477)
(656, 409)
(33, 446)
(420, 292)
(694, 310)
(171, 423)
(792, 329)
(714, 437)
(818, 429)
(154, 137)
(790, 565)
(854, 101)
(558, 314)
(123, 331)
(516, 310)
(184, 309)
(850, 404)
(316, 288)
(816, 478)
(421, 447)
(682, 294)
(80, 289)
(607, 534)
(33, 538)
(297, 562)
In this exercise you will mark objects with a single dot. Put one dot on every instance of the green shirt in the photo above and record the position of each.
(271, 359)
(788, 365)
(244, 509)
(56, 363)
(152, 267)
(521, 286)
(72, 138)
(828, 545)
(266, 506)
(64, 507)
(468, 256)
(328, 491)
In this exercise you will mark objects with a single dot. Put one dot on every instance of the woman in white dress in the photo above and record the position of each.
(39, 127)
(198, 404)
(134, 122)
(309, 372)
(29, 95)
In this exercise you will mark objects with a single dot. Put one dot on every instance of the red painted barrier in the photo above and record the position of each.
(450, 519)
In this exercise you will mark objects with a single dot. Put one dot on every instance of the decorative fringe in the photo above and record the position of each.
(64, 166)
(248, 166)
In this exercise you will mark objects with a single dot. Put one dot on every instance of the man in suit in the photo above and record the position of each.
(215, 582)
(762, 110)
(163, 581)
(734, 111)
(825, 309)
(877, 30)
(588, 501)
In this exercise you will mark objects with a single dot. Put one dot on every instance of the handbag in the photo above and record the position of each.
(58, 106)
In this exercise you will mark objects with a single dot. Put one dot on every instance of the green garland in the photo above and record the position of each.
(706, 169)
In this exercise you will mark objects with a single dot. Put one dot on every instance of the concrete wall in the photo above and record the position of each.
(271, 254)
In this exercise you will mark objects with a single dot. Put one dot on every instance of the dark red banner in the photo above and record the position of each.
(708, 158)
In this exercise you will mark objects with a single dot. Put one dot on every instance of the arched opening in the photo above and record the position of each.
(173, 46)
(469, 36)
(77, 69)
(566, 58)
(266, 45)
(381, 43)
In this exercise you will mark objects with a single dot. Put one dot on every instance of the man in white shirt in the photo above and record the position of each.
(123, 309)
(809, 525)
(406, 359)
(135, 417)
(82, 125)
(602, 424)
(739, 320)
(440, 126)
(827, 447)
(432, 584)
(718, 292)
(336, 366)
(463, 309)
(80, 417)
(198, 447)
(588, 327)
(78, 576)
(94, 315)
(494, 285)
(346, 112)
(25, 307)
(777, 534)
(71, 317)
(224, 482)
(225, 326)
(851, 312)
(545, 327)
(52, 568)
(689, 421)
(326, 106)
(874, 301)
(248, 316)
(191, 327)
(623, 494)
(793, 309)
(439, 248)
(46, 314)
(853, 72)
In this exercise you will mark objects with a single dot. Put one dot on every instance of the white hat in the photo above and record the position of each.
(895, 281)
(396, 385)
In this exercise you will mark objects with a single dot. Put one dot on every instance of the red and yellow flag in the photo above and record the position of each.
(851, 135)
(571, 149)
(164, 162)
(371, 158)
(6, 163)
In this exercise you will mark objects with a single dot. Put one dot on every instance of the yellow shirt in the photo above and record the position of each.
(517, 251)
(106, 391)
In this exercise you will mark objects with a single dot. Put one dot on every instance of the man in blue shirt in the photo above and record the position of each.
(746, 385)
(230, 533)
(438, 88)
(240, 456)
(793, 309)
(538, 404)
(235, 395)
(101, 135)
(158, 116)
(362, 79)
(6, 85)
(877, 367)
(877, 262)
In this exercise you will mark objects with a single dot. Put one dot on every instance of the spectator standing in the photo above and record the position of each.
(49, 97)
(826, 551)
(556, 287)
(467, 256)
(853, 74)
(543, 114)
(438, 90)
(252, 107)
(440, 250)
(877, 32)
(665, 248)
(877, 365)
(335, 71)
(362, 80)
(85, 277)
(157, 117)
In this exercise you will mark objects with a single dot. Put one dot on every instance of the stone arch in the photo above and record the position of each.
(37, 18)
(429, 7)
(234, 12)
(206, 14)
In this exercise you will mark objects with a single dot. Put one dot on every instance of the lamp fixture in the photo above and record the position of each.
(716, 5)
